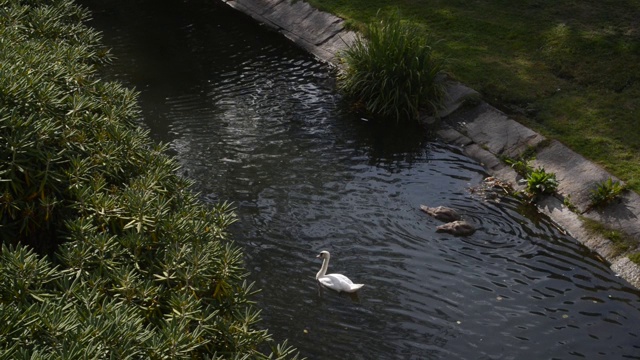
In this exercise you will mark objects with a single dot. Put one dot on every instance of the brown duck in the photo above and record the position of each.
(458, 228)
(441, 213)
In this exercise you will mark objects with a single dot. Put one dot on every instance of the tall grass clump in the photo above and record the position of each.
(392, 72)
(105, 252)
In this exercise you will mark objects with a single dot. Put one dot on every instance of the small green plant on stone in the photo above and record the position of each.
(569, 204)
(635, 257)
(392, 73)
(605, 193)
(540, 182)
(520, 166)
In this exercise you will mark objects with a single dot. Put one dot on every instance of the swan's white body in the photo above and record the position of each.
(337, 282)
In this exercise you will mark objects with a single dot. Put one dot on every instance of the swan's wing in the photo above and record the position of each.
(327, 282)
(339, 282)
(339, 278)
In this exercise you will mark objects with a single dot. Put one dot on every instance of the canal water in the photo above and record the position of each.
(255, 121)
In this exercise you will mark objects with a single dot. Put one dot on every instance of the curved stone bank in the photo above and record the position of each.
(483, 132)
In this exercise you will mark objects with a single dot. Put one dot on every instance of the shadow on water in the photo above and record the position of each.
(256, 121)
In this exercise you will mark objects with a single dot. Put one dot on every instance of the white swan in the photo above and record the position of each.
(337, 282)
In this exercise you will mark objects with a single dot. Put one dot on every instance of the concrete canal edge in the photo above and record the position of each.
(484, 134)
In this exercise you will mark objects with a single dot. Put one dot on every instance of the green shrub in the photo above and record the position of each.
(106, 253)
(392, 72)
(539, 182)
(605, 193)
(46, 85)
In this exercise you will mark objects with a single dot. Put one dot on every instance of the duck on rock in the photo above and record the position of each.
(441, 213)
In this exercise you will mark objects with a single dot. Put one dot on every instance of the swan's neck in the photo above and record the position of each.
(323, 269)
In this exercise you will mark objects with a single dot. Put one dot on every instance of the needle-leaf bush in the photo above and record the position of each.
(106, 252)
(392, 72)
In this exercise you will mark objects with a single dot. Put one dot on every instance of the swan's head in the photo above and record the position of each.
(323, 254)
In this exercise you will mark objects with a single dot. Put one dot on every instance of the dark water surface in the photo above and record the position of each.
(254, 120)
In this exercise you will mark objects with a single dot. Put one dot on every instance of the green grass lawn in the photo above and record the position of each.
(568, 69)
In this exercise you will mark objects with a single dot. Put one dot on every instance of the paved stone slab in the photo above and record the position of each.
(253, 7)
(627, 270)
(320, 33)
(319, 26)
(501, 135)
(577, 176)
(318, 51)
(621, 215)
(338, 43)
(456, 96)
(305, 22)
(486, 158)
(570, 223)
(452, 136)
(509, 175)
(287, 15)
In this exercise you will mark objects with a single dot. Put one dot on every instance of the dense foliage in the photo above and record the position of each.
(105, 251)
(392, 71)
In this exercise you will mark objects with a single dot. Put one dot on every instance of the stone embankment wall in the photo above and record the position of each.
(320, 33)
(483, 132)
